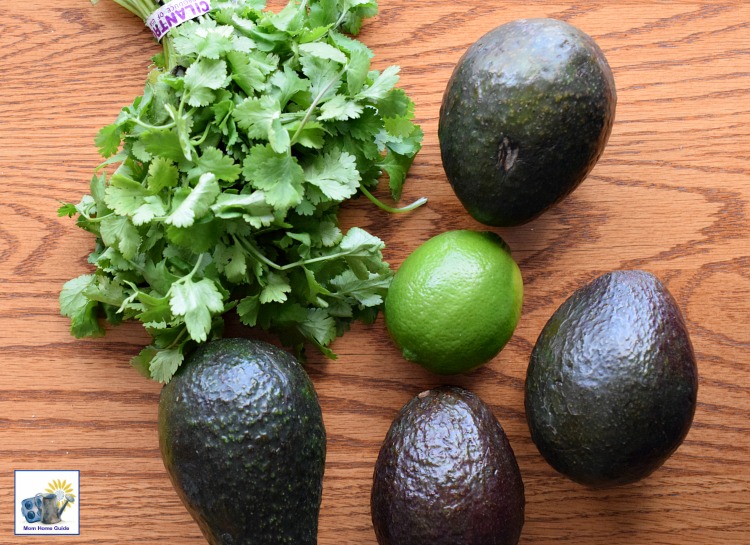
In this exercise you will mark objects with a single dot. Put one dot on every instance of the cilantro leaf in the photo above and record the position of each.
(312, 135)
(340, 108)
(250, 76)
(105, 290)
(233, 262)
(255, 115)
(196, 301)
(278, 174)
(153, 310)
(80, 309)
(248, 309)
(198, 238)
(357, 70)
(158, 276)
(120, 233)
(357, 241)
(275, 289)
(261, 119)
(151, 208)
(335, 173)
(369, 292)
(108, 139)
(324, 13)
(290, 19)
(190, 204)
(324, 76)
(202, 78)
(363, 252)
(322, 50)
(399, 127)
(252, 207)
(365, 127)
(382, 84)
(161, 174)
(217, 163)
(67, 209)
(142, 361)
(318, 326)
(355, 12)
(164, 363)
(162, 143)
(396, 103)
(125, 200)
(203, 41)
(396, 165)
(285, 84)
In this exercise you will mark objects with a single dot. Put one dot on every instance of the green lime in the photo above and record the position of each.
(455, 301)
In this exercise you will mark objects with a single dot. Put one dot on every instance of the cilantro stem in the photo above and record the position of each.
(154, 127)
(416, 204)
(249, 246)
(144, 8)
(197, 266)
(203, 137)
(303, 262)
(141, 8)
(314, 104)
(138, 267)
(128, 300)
(341, 18)
(188, 276)
(178, 339)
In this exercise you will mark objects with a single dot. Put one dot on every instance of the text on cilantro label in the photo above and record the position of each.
(175, 13)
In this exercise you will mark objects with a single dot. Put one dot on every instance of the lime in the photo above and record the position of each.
(455, 301)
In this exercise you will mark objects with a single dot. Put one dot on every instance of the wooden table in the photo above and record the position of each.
(671, 195)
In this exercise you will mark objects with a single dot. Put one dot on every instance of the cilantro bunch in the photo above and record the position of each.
(226, 177)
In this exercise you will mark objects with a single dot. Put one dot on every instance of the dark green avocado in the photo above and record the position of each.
(242, 437)
(446, 475)
(524, 118)
(612, 382)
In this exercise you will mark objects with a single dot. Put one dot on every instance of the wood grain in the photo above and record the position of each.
(670, 195)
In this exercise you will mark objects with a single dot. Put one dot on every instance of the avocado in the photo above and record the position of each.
(525, 116)
(446, 475)
(242, 438)
(612, 381)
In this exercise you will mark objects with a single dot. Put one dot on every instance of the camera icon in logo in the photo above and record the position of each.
(31, 508)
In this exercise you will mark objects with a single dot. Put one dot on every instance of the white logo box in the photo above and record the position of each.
(36, 512)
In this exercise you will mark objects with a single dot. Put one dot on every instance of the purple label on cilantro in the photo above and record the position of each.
(174, 14)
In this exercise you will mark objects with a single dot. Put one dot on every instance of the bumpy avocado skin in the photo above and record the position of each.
(525, 116)
(446, 475)
(612, 382)
(242, 437)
